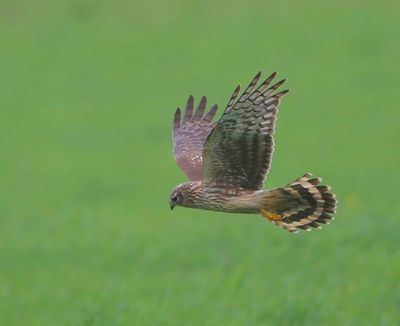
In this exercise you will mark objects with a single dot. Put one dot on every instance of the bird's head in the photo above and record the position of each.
(183, 194)
(176, 197)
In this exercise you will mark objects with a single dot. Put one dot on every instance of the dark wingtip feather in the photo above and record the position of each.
(281, 94)
(189, 109)
(263, 87)
(269, 79)
(250, 88)
(255, 80)
(210, 115)
(177, 118)
(203, 101)
(273, 75)
(258, 75)
(200, 109)
(233, 98)
(268, 93)
(278, 84)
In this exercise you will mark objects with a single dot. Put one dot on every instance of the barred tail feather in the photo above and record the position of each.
(303, 204)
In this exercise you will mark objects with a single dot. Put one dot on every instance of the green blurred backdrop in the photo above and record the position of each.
(88, 90)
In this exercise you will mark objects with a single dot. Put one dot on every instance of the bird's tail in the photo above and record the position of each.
(302, 204)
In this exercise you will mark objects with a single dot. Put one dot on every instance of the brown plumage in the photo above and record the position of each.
(227, 161)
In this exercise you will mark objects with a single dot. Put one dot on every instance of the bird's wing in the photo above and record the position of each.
(189, 135)
(238, 151)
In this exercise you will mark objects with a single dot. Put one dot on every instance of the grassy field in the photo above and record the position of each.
(88, 90)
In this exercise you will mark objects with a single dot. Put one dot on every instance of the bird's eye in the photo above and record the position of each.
(174, 198)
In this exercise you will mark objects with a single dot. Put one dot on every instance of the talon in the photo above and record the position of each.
(271, 216)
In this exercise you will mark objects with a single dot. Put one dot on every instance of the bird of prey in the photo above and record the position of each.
(227, 161)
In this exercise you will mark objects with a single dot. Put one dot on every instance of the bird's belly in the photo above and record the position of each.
(246, 203)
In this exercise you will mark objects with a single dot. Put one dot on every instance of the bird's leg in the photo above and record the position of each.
(270, 216)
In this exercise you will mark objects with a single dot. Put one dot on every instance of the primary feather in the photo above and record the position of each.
(189, 135)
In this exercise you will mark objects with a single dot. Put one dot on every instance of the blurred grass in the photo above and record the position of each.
(88, 90)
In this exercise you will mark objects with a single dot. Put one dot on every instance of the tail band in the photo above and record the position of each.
(312, 204)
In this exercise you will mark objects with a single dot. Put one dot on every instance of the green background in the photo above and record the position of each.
(87, 94)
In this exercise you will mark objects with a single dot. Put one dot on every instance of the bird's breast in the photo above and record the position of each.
(228, 200)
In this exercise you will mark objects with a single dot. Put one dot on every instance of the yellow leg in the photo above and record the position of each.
(270, 216)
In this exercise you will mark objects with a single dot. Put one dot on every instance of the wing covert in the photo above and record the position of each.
(238, 151)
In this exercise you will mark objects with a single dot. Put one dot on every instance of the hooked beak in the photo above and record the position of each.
(171, 205)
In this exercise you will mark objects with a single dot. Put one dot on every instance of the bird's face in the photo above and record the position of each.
(176, 197)
(184, 194)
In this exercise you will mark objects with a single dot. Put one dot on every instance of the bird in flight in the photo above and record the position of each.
(228, 160)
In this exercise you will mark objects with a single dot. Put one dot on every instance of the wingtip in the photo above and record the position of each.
(177, 118)
(273, 75)
(177, 113)
(281, 94)
(210, 115)
(277, 85)
(190, 99)
(214, 108)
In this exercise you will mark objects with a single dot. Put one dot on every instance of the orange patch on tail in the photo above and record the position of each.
(270, 216)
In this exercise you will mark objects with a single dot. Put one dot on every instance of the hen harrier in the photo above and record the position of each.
(227, 161)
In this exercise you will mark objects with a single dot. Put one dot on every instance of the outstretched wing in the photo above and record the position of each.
(189, 135)
(238, 151)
